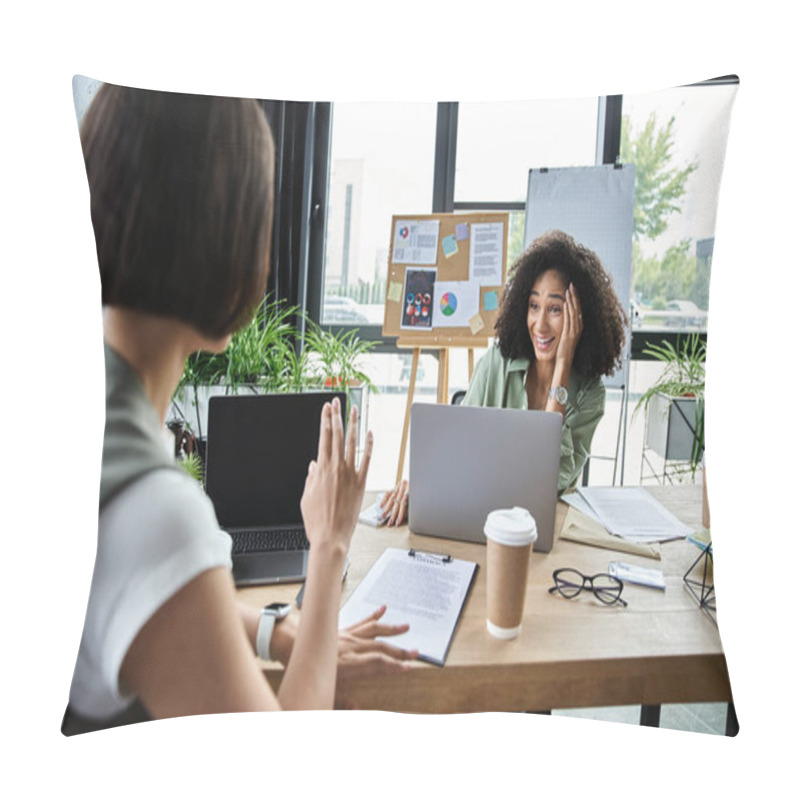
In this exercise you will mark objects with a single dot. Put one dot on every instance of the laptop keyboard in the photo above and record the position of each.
(260, 541)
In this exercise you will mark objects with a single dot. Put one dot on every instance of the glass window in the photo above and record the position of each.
(381, 161)
(677, 139)
(499, 142)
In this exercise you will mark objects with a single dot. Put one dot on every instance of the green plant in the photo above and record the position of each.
(263, 354)
(683, 375)
(268, 355)
(260, 355)
(201, 369)
(193, 465)
(334, 357)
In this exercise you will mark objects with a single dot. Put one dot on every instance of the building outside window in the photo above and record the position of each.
(381, 163)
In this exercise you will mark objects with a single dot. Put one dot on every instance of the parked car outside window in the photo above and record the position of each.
(337, 309)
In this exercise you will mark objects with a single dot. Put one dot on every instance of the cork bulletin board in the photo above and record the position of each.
(445, 278)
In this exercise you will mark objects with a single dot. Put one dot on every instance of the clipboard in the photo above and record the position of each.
(426, 590)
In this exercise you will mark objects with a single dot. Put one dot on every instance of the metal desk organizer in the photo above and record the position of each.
(703, 589)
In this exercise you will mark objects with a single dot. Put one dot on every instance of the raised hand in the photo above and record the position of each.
(334, 487)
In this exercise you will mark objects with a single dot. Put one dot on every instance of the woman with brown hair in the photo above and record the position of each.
(181, 201)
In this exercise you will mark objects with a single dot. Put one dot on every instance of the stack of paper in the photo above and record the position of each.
(579, 527)
(629, 512)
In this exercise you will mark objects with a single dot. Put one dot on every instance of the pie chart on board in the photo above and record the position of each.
(449, 304)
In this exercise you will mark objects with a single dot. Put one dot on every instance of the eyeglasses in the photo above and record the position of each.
(570, 583)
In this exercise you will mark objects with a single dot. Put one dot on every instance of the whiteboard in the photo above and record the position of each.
(594, 205)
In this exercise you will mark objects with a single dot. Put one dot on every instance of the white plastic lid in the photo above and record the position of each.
(511, 526)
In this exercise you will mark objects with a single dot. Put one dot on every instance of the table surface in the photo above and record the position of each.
(661, 648)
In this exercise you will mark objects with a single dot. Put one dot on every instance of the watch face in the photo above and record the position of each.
(560, 393)
(279, 609)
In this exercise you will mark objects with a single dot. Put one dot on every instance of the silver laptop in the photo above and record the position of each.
(467, 461)
(258, 451)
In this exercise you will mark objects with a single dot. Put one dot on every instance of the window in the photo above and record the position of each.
(384, 160)
(677, 139)
(498, 142)
(381, 163)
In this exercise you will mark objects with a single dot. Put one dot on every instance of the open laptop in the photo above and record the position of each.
(257, 456)
(467, 461)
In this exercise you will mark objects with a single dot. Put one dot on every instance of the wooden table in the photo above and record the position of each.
(662, 648)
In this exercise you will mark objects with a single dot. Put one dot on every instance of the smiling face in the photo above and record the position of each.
(546, 314)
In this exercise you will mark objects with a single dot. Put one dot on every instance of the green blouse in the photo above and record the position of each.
(499, 382)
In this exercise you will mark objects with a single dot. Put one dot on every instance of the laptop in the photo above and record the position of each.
(257, 456)
(467, 461)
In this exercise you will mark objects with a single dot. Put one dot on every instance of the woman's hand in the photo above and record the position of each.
(334, 488)
(573, 328)
(362, 655)
(395, 504)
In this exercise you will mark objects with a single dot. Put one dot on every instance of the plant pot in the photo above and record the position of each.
(670, 426)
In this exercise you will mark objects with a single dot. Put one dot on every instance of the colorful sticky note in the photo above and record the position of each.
(462, 231)
(449, 246)
(475, 323)
(395, 292)
(490, 300)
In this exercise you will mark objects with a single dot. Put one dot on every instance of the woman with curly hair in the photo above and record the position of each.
(560, 328)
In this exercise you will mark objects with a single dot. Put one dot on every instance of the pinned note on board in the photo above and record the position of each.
(490, 300)
(449, 246)
(476, 323)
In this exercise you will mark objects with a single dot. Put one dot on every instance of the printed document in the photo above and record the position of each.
(425, 590)
(486, 253)
(633, 513)
(415, 241)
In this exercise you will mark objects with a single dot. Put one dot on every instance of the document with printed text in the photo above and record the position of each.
(633, 513)
(425, 590)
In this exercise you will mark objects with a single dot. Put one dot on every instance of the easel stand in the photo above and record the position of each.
(442, 383)
(437, 295)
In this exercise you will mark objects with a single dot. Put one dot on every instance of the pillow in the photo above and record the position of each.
(672, 146)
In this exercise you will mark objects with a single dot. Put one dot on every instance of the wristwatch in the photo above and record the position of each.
(270, 614)
(560, 393)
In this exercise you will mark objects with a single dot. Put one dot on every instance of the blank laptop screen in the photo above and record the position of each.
(259, 449)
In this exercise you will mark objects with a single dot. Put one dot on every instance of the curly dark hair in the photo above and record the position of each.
(599, 351)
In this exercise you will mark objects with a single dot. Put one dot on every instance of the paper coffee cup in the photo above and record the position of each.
(510, 535)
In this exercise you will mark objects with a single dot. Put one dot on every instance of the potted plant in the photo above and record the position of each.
(266, 356)
(333, 358)
(260, 357)
(675, 403)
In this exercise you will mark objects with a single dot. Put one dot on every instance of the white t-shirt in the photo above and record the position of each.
(155, 536)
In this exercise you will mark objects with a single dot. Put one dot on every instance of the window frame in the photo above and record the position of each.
(318, 137)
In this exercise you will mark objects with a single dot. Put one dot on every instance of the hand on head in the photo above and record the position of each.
(334, 487)
(395, 504)
(573, 326)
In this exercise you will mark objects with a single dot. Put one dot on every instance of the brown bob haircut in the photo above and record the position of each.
(599, 349)
(182, 202)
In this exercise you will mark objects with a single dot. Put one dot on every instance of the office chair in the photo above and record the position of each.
(457, 397)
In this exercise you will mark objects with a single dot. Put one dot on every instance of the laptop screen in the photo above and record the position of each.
(257, 456)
